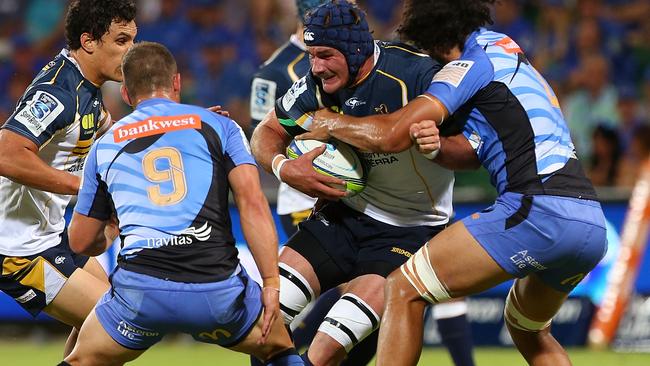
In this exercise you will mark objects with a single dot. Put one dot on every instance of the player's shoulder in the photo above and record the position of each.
(60, 76)
(400, 58)
(403, 53)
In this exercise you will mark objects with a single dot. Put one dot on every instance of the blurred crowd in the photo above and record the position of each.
(595, 54)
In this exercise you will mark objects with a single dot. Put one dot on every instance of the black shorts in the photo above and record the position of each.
(35, 280)
(342, 244)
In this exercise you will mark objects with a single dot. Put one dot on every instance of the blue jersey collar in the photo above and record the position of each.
(153, 101)
(471, 39)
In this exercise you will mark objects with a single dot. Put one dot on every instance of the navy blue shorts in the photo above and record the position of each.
(341, 244)
(559, 238)
(139, 309)
(35, 280)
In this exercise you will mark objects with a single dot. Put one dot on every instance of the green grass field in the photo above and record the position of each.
(193, 354)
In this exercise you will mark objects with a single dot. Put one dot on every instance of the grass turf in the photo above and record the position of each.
(194, 354)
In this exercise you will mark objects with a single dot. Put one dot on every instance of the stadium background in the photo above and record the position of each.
(596, 54)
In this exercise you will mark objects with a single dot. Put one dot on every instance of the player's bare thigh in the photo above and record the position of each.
(461, 263)
(296, 261)
(79, 294)
(96, 347)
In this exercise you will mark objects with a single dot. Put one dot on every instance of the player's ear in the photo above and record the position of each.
(125, 95)
(87, 42)
(176, 82)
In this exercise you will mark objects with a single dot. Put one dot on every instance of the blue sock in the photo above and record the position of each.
(457, 337)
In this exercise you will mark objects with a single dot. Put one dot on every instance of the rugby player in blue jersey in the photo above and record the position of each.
(165, 172)
(43, 146)
(546, 228)
(356, 240)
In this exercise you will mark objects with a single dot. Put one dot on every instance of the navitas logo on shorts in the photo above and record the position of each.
(155, 126)
(185, 237)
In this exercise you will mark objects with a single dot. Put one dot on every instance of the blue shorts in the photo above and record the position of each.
(139, 309)
(559, 238)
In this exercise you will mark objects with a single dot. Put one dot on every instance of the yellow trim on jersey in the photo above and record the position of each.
(292, 64)
(56, 73)
(300, 121)
(402, 85)
(409, 51)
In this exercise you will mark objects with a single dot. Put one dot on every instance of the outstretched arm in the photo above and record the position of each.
(387, 133)
(259, 231)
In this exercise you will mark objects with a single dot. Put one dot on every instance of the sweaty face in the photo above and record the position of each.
(112, 47)
(330, 66)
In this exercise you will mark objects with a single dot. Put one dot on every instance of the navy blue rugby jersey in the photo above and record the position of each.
(403, 189)
(288, 64)
(62, 113)
(164, 170)
(512, 118)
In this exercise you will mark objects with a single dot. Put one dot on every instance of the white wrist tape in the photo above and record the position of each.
(277, 163)
(432, 155)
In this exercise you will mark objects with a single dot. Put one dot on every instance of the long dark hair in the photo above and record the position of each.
(437, 26)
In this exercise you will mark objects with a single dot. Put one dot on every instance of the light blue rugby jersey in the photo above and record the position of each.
(511, 117)
(164, 168)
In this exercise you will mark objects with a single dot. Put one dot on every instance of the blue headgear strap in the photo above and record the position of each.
(305, 5)
(341, 25)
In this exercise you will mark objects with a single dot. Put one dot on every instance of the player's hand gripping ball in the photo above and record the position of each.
(339, 160)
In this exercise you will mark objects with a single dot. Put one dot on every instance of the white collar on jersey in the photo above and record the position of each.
(377, 53)
(296, 42)
(66, 53)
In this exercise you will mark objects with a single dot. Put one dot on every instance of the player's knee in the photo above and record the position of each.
(295, 293)
(421, 276)
(349, 321)
(516, 319)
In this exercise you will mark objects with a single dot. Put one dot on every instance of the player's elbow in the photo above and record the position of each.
(80, 243)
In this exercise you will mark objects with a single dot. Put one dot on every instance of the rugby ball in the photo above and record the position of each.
(339, 160)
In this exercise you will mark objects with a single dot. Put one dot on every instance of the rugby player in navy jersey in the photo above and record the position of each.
(546, 229)
(359, 239)
(165, 172)
(274, 78)
(43, 145)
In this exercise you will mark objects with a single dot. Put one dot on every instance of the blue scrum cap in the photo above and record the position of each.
(341, 25)
(305, 5)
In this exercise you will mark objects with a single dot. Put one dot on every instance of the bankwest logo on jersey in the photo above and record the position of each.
(156, 125)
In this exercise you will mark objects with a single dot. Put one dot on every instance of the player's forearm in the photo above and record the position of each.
(267, 142)
(259, 231)
(456, 153)
(373, 133)
(25, 167)
(86, 235)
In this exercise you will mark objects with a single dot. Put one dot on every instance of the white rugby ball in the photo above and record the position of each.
(339, 160)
